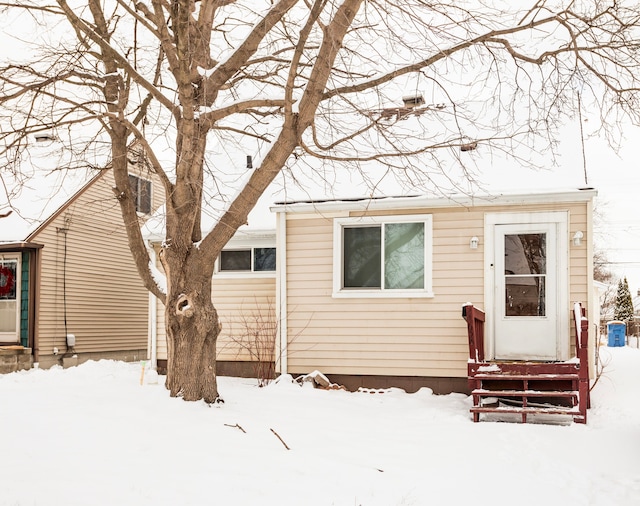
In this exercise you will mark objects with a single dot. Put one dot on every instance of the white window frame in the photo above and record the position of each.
(338, 265)
(14, 336)
(244, 246)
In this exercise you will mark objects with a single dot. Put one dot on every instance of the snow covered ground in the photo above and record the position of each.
(93, 435)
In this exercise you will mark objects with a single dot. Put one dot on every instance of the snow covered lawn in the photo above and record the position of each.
(92, 435)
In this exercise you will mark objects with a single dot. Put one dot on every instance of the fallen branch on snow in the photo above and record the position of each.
(236, 426)
(281, 440)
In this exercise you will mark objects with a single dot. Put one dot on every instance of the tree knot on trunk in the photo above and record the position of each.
(120, 195)
(184, 306)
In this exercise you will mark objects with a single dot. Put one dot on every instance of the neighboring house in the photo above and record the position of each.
(69, 289)
(370, 291)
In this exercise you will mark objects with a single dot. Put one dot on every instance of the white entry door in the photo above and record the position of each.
(526, 292)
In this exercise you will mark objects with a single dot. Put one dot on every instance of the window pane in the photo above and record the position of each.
(8, 279)
(361, 257)
(8, 295)
(404, 255)
(8, 318)
(525, 254)
(264, 259)
(235, 260)
(144, 196)
(525, 296)
(141, 189)
(133, 182)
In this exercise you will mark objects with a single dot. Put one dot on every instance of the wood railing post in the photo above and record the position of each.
(582, 354)
(475, 331)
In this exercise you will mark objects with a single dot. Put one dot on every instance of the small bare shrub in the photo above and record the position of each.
(254, 334)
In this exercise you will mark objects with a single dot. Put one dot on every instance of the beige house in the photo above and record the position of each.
(370, 292)
(244, 294)
(69, 288)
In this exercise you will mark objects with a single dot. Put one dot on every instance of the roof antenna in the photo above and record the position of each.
(584, 155)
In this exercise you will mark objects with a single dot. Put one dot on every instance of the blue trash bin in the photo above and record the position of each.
(616, 331)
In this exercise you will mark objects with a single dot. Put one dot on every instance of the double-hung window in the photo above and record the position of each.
(141, 189)
(387, 256)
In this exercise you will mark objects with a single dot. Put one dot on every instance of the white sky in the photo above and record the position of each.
(616, 178)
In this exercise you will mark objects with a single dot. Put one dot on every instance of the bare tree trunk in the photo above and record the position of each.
(192, 328)
(295, 80)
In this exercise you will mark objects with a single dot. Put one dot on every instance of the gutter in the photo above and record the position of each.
(419, 202)
(20, 246)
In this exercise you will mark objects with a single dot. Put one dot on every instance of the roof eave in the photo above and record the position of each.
(19, 246)
(393, 203)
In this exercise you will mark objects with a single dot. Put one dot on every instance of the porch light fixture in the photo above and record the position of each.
(473, 243)
(577, 238)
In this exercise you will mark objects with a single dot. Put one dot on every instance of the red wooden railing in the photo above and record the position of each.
(475, 330)
(582, 354)
(484, 382)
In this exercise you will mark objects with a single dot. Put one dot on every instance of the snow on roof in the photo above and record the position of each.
(36, 189)
(455, 172)
(261, 223)
(451, 200)
(482, 174)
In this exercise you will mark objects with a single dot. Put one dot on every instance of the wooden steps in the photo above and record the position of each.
(528, 387)
(573, 394)
(536, 393)
(524, 411)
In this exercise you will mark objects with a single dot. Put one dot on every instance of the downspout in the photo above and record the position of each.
(69, 345)
(281, 292)
(592, 310)
(152, 341)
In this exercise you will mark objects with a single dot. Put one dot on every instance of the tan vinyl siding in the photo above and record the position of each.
(88, 278)
(579, 281)
(398, 336)
(246, 308)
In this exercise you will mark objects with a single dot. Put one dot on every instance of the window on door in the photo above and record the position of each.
(525, 271)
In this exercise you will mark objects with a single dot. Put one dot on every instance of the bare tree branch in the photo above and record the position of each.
(310, 87)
